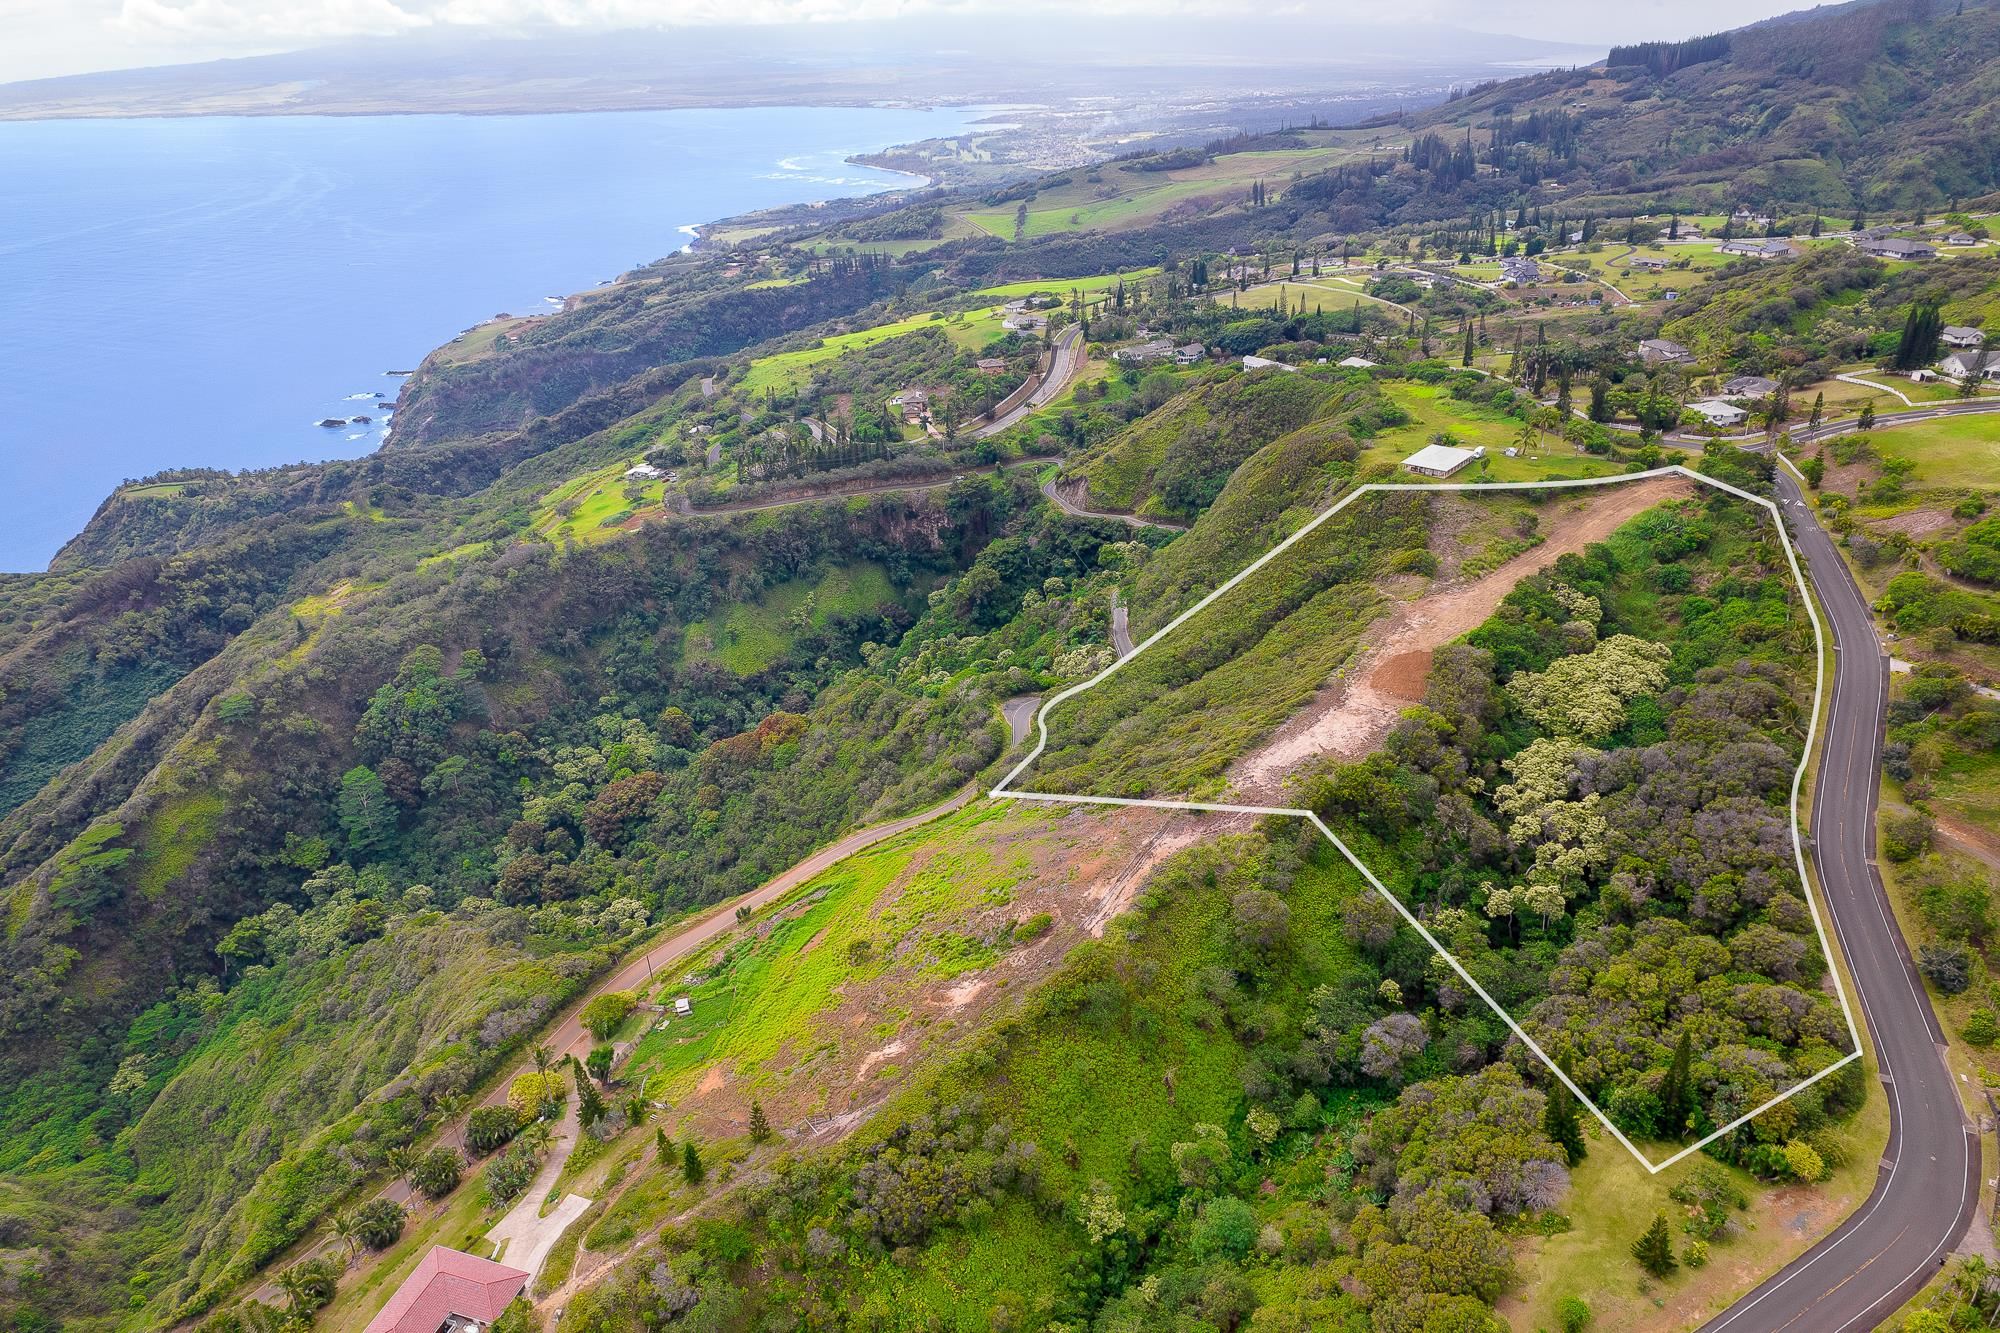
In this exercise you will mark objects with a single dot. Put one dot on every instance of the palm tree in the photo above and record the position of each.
(402, 1161)
(298, 1289)
(542, 1056)
(345, 1228)
(449, 1107)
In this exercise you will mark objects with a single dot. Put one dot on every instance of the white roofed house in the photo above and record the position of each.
(1265, 363)
(1356, 363)
(1716, 412)
(1663, 351)
(1767, 247)
(1441, 460)
(1158, 349)
(1956, 335)
(1970, 363)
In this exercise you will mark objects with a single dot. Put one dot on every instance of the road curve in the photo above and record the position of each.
(1064, 362)
(1928, 1184)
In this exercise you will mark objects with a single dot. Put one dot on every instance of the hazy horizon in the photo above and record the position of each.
(58, 38)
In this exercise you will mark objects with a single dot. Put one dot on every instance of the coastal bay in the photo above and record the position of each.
(206, 291)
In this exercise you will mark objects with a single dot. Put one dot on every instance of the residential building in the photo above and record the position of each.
(1749, 386)
(992, 365)
(1265, 363)
(1896, 247)
(1973, 361)
(1441, 460)
(1760, 247)
(1716, 412)
(643, 472)
(1955, 335)
(1520, 269)
(1356, 363)
(1961, 238)
(1158, 349)
(449, 1292)
(1650, 263)
(1663, 351)
(1188, 354)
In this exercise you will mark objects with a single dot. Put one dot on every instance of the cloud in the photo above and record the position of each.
(261, 23)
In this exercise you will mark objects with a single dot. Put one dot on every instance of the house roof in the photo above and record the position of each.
(1897, 245)
(1357, 363)
(1715, 407)
(1439, 458)
(447, 1283)
(1961, 332)
(1665, 346)
(1750, 384)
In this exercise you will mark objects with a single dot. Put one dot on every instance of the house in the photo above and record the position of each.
(991, 365)
(1767, 247)
(1716, 412)
(1663, 351)
(1189, 353)
(1023, 323)
(1749, 386)
(1139, 354)
(449, 1292)
(1961, 238)
(683, 1006)
(914, 402)
(1962, 365)
(1356, 363)
(1896, 247)
(1441, 460)
(643, 472)
(1265, 363)
(1650, 263)
(1923, 376)
(1955, 335)
(1520, 269)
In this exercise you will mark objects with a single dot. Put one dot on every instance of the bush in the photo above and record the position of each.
(1980, 1029)
(1572, 1315)
(1227, 1227)
(379, 1223)
(437, 1172)
(1906, 835)
(530, 1094)
(1803, 1162)
(1033, 928)
(1948, 966)
(511, 1172)
(603, 1015)
(491, 1127)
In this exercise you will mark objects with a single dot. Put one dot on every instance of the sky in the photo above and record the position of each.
(52, 37)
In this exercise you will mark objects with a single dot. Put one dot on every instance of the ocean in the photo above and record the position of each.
(204, 291)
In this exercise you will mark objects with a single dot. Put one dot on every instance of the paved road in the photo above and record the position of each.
(1121, 626)
(1053, 489)
(1928, 1185)
(1063, 367)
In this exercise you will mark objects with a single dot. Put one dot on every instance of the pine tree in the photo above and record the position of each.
(760, 1127)
(1674, 1106)
(1465, 357)
(590, 1106)
(1818, 412)
(691, 1168)
(1866, 421)
(1655, 1249)
(663, 1147)
(1561, 1122)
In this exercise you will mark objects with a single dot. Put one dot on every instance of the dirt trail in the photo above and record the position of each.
(1354, 710)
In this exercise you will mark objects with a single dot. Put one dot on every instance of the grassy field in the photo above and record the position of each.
(578, 509)
(1123, 196)
(159, 490)
(789, 370)
(1957, 452)
(1435, 410)
(751, 637)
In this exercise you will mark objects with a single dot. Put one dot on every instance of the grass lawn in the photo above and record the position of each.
(1950, 451)
(579, 508)
(159, 490)
(788, 370)
(750, 637)
(1434, 410)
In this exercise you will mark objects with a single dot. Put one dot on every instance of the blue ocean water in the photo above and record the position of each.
(203, 291)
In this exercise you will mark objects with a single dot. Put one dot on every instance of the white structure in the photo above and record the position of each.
(683, 1006)
(1964, 365)
(1356, 363)
(1718, 413)
(1955, 335)
(1189, 353)
(1265, 363)
(1441, 460)
(643, 472)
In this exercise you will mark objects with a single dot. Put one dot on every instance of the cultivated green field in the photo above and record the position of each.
(750, 637)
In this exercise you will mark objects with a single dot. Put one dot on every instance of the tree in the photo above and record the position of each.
(1674, 1088)
(379, 1223)
(1918, 344)
(345, 1229)
(598, 1062)
(760, 1127)
(590, 1107)
(604, 1014)
(367, 815)
(490, 1127)
(1655, 1249)
(437, 1172)
(1866, 421)
(692, 1170)
(1562, 1123)
(1572, 1314)
(663, 1146)
(1818, 413)
(1465, 353)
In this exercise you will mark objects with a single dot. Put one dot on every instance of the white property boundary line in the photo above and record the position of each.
(1004, 791)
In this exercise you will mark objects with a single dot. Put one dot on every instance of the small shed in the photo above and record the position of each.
(683, 1006)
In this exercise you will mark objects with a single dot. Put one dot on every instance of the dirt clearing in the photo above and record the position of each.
(1354, 710)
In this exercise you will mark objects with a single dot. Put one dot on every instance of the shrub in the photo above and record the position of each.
(1906, 835)
(603, 1014)
(1980, 1029)
(1572, 1315)
(1227, 1227)
(1033, 928)
(1803, 1162)
(530, 1094)
(1696, 1253)
(511, 1172)
(379, 1223)
(490, 1127)
(437, 1172)
(1948, 966)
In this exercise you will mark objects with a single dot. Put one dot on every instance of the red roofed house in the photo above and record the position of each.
(450, 1290)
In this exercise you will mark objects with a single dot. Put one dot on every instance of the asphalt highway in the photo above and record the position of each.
(1928, 1184)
